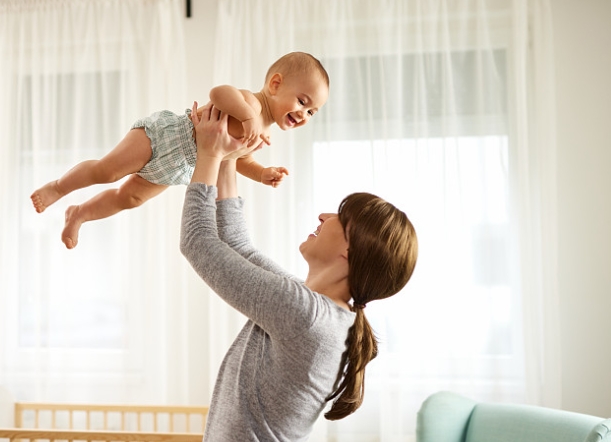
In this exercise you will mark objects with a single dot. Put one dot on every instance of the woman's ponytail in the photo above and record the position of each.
(362, 347)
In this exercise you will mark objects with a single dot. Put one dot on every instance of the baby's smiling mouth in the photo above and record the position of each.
(291, 119)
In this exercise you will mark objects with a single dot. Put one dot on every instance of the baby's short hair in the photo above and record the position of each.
(297, 63)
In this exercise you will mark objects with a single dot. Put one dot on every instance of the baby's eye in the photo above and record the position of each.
(301, 101)
(310, 113)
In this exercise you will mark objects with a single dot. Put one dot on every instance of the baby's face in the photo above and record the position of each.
(297, 99)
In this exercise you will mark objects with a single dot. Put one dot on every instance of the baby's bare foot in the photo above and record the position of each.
(72, 226)
(45, 196)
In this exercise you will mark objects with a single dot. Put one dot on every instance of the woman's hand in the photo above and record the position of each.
(211, 136)
(214, 146)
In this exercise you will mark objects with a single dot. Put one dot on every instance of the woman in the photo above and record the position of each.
(305, 342)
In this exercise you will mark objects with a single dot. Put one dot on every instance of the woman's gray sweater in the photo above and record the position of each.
(276, 375)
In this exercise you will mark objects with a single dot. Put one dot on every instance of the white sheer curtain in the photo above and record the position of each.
(443, 107)
(105, 321)
(446, 109)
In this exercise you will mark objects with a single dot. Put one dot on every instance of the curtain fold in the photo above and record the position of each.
(100, 322)
(445, 108)
(535, 157)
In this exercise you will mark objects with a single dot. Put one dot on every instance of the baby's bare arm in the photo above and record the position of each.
(248, 167)
(244, 107)
(234, 102)
(270, 176)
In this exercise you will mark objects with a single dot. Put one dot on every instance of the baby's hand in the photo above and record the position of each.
(273, 176)
(253, 132)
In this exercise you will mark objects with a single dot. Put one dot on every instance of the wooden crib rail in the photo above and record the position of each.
(154, 413)
(14, 434)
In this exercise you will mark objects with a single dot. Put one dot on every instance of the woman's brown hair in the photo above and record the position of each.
(382, 253)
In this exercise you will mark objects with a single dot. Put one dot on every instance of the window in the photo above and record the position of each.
(428, 132)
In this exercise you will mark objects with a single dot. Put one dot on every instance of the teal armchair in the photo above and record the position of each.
(449, 417)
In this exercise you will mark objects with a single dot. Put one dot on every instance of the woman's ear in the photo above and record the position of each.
(274, 83)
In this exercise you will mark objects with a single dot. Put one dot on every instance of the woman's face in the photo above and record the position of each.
(327, 242)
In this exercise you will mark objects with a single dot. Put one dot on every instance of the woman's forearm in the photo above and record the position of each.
(206, 170)
(226, 181)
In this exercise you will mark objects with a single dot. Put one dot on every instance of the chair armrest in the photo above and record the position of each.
(601, 432)
(444, 417)
(528, 423)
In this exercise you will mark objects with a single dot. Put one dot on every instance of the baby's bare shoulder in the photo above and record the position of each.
(252, 100)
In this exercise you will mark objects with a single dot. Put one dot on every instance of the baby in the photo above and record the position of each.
(159, 150)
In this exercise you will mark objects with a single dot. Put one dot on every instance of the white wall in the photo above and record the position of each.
(582, 35)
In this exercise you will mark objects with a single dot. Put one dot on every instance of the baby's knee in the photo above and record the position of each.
(130, 200)
(136, 191)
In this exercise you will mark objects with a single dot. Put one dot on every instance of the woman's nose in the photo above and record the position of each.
(325, 216)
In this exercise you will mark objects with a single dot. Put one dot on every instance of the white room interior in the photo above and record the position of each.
(576, 368)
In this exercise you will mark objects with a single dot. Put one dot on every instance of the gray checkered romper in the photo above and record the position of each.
(173, 146)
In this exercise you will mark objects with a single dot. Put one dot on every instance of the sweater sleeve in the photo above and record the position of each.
(233, 231)
(282, 306)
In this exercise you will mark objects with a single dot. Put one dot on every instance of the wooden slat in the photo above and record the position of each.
(89, 409)
(18, 415)
(112, 407)
(83, 435)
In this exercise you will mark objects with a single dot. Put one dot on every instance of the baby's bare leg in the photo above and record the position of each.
(129, 156)
(133, 192)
